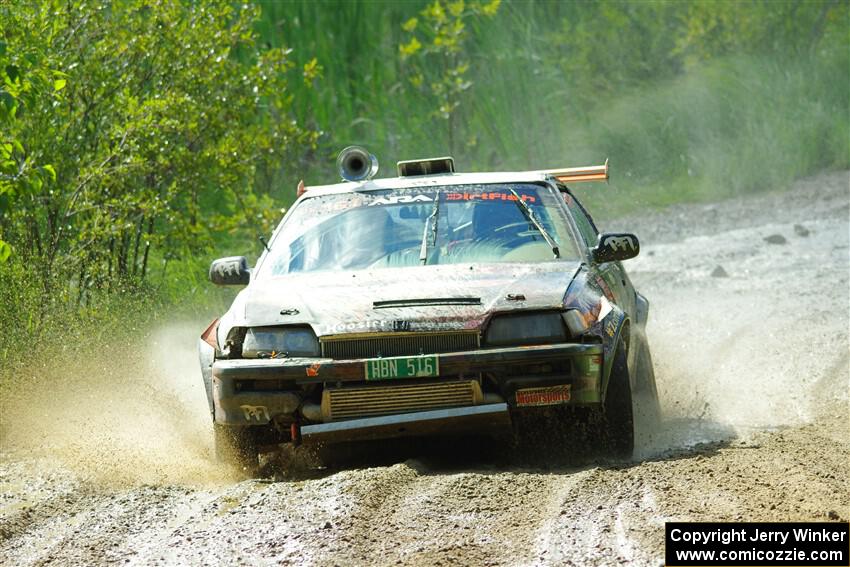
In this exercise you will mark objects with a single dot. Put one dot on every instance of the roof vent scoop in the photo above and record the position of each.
(431, 166)
(355, 163)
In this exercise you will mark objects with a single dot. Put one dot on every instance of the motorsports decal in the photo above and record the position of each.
(548, 396)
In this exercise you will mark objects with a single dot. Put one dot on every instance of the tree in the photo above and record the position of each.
(25, 81)
(167, 114)
(437, 56)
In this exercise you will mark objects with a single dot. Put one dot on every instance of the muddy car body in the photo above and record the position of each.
(430, 303)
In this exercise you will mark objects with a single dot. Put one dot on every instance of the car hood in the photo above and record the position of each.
(426, 298)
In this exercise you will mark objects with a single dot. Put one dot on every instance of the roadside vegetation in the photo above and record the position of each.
(140, 139)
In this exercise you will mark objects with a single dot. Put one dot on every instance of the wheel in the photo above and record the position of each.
(619, 433)
(236, 446)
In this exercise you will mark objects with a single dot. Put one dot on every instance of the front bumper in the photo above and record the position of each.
(474, 419)
(278, 384)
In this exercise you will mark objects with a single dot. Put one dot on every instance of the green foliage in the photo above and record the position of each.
(134, 134)
(715, 133)
(165, 127)
(674, 93)
(25, 81)
(436, 55)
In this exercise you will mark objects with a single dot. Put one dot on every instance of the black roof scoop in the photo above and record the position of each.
(432, 166)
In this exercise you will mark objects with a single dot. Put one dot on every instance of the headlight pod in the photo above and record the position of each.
(267, 342)
(526, 329)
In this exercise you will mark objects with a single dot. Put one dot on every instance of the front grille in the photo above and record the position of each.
(341, 347)
(346, 403)
(264, 385)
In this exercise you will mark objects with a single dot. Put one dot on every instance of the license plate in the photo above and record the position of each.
(549, 396)
(403, 367)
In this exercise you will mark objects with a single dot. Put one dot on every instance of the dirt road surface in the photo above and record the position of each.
(109, 462)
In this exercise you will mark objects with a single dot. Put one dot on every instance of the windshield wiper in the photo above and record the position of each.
(529, 213)
(432, 223)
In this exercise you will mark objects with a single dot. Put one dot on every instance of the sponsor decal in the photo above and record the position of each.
(610, 329)
(548, 396)
(485, 196)
(396, 199)
(255, 413)
(624, 242)
(492, 196)
(313, 370)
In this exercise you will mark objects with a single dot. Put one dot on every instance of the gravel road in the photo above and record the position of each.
(110, 463)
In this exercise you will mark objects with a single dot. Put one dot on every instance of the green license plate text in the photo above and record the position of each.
(402, 367)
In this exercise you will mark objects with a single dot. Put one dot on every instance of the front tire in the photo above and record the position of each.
(236, 446)
(619, 433)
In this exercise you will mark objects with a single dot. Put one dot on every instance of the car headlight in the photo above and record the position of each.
(265, 342)
(526, 329)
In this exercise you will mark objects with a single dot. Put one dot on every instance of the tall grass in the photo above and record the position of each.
(738, 125)
(735, 124)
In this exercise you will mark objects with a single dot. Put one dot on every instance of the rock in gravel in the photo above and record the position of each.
(775, 239)
(719, 272)
(801, 230)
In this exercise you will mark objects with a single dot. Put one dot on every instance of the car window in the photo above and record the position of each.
(398, 228)
(583, 221)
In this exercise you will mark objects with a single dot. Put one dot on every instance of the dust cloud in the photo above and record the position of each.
(134, 414)
(766, 346)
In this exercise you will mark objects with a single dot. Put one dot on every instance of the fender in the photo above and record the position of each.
(614, 328)
(605, 321)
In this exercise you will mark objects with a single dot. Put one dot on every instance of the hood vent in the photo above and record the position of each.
(374, 345)
(426, 302)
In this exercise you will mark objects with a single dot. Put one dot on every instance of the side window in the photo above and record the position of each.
(583, 221)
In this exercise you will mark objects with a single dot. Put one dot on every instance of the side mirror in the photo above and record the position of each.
(615, 246)
(230, 271)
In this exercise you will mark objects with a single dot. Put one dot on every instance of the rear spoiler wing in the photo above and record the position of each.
(573, 174)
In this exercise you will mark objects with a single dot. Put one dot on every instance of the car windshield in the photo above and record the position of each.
(421, 225)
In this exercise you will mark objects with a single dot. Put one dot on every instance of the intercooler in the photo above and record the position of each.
(347, 403)
(374, 345)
